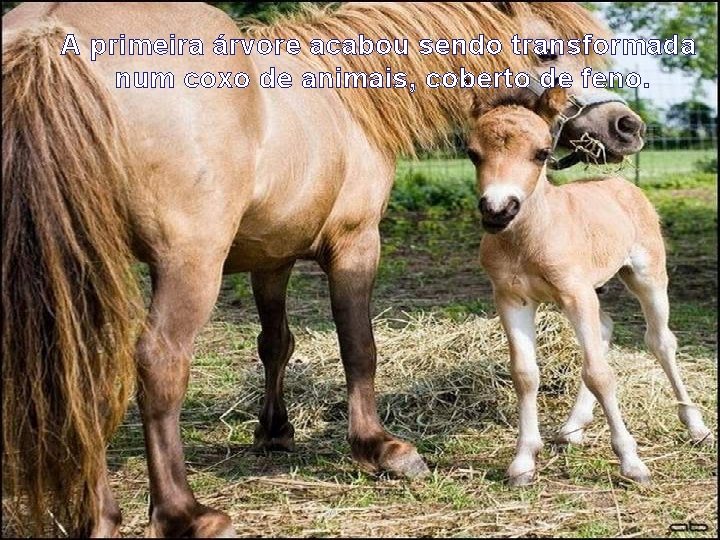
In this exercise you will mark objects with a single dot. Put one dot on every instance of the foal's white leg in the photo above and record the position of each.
(580, 416)
(582, 412)
(583, 310)
(518, 320)
(652, 294)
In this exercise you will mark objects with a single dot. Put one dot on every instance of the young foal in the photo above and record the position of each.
(560, 244)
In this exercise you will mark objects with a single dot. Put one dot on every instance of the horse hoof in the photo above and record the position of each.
(103, 530)
(523, 479)
(570, 437)
(521, 471)
(703, 438)
(201, 522)
(383, 452)
(213, 524)
(281, 440)
(637, 472)
(407, 464)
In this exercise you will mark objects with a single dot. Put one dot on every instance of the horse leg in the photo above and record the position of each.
(583, 310)
(275, 346)
(652, 294)
(518, 321)
(351, 267)
(109, 517)
(582, 412)
(183, 296)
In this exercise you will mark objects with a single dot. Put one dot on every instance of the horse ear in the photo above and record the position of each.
(478, 107)
(551, 103)
(506, 7)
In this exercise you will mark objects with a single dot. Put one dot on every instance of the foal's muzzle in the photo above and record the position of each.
(494, 220)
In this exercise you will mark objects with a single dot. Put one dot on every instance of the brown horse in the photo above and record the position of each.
(197, 183)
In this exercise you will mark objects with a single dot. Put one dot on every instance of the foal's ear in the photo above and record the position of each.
(551, 103)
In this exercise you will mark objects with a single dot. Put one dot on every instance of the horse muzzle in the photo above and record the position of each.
(611, 126)
(496, 220)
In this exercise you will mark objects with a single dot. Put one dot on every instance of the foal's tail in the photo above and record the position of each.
(68, 295)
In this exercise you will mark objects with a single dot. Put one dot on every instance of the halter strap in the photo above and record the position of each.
(584, 145)
(597, 96)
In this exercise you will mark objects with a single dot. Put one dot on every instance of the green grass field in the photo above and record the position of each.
(443, 384)
(654, 165)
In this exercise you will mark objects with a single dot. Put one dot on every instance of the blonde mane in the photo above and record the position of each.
(395, 119)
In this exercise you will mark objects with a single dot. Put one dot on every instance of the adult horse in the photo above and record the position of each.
(197, 182)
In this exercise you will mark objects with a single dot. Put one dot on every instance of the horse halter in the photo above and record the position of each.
(586, 145)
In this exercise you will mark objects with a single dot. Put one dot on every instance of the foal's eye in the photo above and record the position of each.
(547, 57)
(541, 156)
(474, 156)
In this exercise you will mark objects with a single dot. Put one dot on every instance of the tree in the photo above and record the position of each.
(694, 117)
(262, 11)
(7, 6)
(662, 20)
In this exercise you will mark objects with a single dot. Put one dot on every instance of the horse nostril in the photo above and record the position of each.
(513, 207)
(483, 205)
(630, 125)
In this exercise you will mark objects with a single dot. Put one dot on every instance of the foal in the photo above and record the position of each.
(560, 244)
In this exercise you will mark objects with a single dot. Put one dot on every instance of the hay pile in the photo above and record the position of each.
(432, 373)
(437, 376)
(444, 385)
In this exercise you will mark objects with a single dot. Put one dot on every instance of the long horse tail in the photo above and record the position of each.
(69, 297)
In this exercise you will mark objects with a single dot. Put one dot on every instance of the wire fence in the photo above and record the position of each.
(681, 139)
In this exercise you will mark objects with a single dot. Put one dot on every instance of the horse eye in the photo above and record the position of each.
(541, 156)
(547, 57)
(474, 156)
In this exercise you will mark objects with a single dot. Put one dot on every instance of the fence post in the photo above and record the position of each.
(637, 154)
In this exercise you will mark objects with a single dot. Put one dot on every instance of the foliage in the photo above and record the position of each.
(263, 11)
(7, 6)
(416, 191)
(707, 165)
(662, 20)
(694, 117)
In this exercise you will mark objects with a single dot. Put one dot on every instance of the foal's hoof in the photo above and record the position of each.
(703, 438)
(279, 440)
(522, 479)
(575, 437)
(521, 471)
(637, 472)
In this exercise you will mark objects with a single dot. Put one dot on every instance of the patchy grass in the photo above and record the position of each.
(443, 383)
